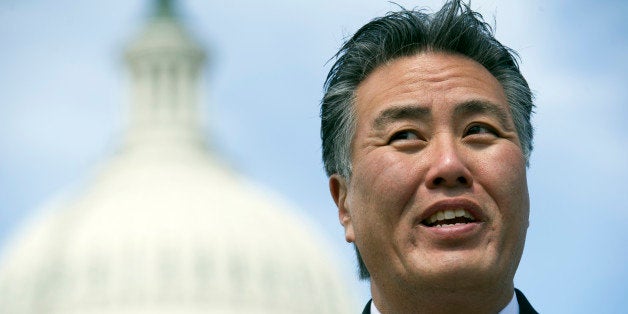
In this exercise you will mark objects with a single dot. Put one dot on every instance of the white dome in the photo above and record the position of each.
(164, 226)
(170, 232)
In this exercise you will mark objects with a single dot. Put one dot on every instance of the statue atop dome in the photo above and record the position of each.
(164, 8)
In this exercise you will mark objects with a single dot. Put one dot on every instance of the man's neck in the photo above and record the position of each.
(433, 300)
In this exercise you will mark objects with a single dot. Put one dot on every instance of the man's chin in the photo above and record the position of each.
(455, 272)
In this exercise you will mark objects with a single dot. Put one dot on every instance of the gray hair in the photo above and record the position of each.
(454, 29)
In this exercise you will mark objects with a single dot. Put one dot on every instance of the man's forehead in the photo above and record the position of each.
(427, 79)
(429, 63)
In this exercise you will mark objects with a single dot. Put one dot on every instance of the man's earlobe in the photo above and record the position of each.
(338, 188)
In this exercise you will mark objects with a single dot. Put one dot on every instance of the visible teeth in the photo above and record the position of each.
(440, 216)
(448, 214)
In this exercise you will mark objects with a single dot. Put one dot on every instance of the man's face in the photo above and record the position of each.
(438, 192)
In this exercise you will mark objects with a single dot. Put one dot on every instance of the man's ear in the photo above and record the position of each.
(338, 188)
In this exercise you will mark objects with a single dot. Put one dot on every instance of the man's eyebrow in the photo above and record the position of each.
(406, 112)
(483, 107)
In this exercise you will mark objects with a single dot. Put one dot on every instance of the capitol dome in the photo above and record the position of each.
(165, 226)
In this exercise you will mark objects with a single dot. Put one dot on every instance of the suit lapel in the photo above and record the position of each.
(367, 308)
(524, 306)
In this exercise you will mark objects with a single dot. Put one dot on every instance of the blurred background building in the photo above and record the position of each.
(166, 225)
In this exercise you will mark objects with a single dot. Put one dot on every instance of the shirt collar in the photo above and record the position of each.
(512, 307)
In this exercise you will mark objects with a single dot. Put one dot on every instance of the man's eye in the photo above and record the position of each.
(404, 136)
(480, 129)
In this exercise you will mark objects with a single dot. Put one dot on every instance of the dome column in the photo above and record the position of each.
(165, 66)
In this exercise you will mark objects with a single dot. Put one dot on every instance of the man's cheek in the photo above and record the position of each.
(390, 170)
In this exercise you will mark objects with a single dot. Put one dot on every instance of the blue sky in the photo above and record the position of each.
(63, 94)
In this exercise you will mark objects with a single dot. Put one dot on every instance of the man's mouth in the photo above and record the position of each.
(449, 217)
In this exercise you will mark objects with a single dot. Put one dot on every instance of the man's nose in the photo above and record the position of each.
(448, 166)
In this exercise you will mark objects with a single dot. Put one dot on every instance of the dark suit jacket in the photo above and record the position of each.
(524, 305)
